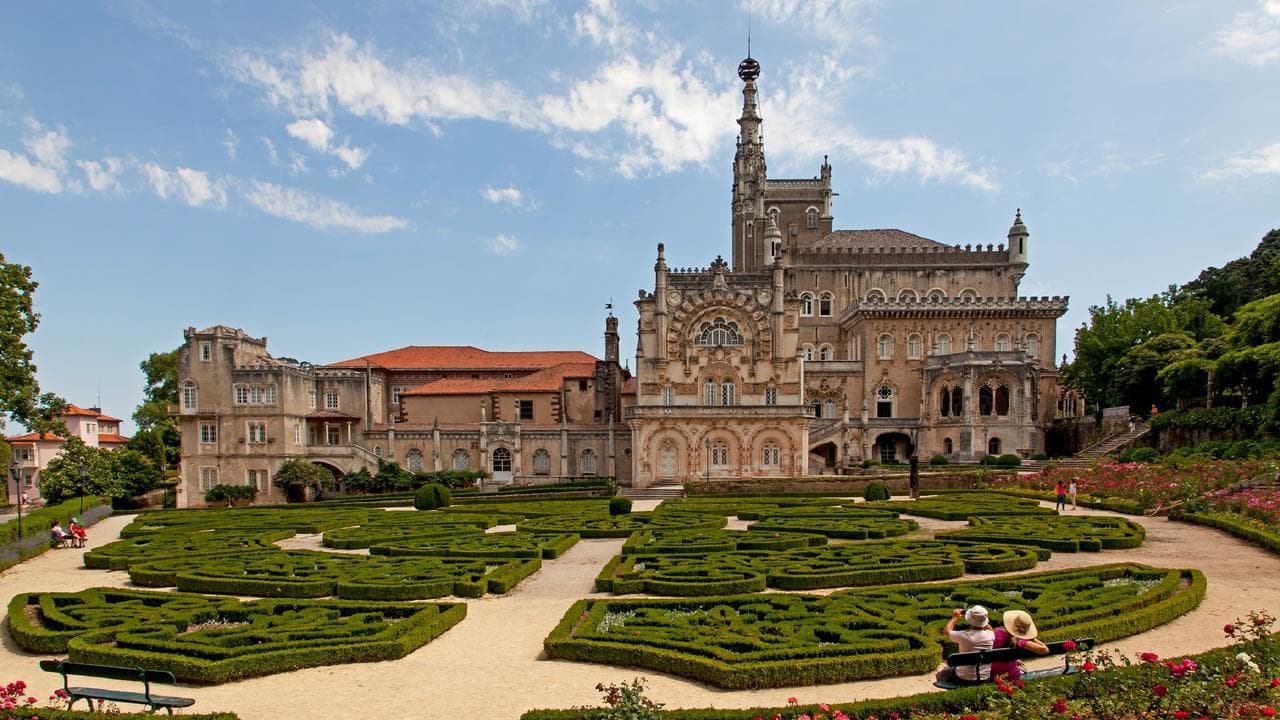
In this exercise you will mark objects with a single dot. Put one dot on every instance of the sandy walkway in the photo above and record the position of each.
(490, 663)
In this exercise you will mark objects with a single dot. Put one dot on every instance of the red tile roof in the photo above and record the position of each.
(108, 418)
(111, 438)
(886, 238)
(76, 410)
(549, 380)
(630, 386)
(465, 357)
(33, 437)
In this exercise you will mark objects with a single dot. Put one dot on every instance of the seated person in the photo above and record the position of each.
(78, 532)
(979, 636)
(1019, 631)
(57, 535)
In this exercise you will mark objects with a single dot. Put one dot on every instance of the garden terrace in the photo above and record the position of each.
(962, 506)
(697, 542)
(617, 526)
(1072, 533)
(206, 640)
(481, 545)
(180, 543)
(848, 565)
(302, 573)
(773, 640)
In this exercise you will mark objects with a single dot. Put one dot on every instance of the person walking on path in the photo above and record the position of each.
(1072, 489)
(1061, 491)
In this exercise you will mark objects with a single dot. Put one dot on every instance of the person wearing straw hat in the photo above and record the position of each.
(1018, 631)
(979, 636)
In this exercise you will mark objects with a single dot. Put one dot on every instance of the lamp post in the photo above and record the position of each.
(80, 488)
(707, 444)
(17, 491)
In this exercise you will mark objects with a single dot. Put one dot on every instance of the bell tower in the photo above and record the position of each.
(749, 173)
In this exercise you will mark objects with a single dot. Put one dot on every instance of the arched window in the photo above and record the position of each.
(1002, 343)
(947, 447)
(875, 296)
(461, 460)
(993, 446)
(719, 454)
(884, 401)
(541, 462)
(1033, 345)
(885, 346)
(907, 296)
(587, 465)
(968, 294)
(806, 305)
(772, 456)
(377, 451)
(986, 400)
(943, 341)
(189, 396)
(709, 392)
(1002, 400)
(937, 295)
(826, 352)
(719, 332)
(728, 396)
(957, 401)
(944, 402)
(668, 395)
(811, 217)
(915, 346)
(771, 395)
(806, 351)
(825, 301)
(501, 460)
(413, 462)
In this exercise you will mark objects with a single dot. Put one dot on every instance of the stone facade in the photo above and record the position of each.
(839, 345)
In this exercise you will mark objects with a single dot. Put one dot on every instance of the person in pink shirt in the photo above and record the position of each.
(1019, 631)
(979, 636)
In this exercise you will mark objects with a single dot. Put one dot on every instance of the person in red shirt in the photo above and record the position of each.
(1061, 491)
(77, 533)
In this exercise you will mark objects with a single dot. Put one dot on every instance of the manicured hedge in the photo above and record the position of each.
(597, 486)
(739, 505)
(849, 565)
(531, 508)
(1118, 505)
(698, 542)
(841, 523)
(1242, 528)
(1066, 533)
(394, 526)
(206, 640)
(486, 545)
(963, 505)
(616, 526)
(284, 517)
(773, 640)
(119, 555)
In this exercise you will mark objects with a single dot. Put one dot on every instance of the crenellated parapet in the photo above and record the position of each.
(967, 307)
(933, 256)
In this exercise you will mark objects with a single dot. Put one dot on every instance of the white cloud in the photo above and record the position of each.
(504, 244)
(1264, 161)
(835, 20)
(102, 176)
(354, 157)
(272, 155)
(231, 142)
(1253, 36)
(193, 187)
(512, 197)
(313, 132)
(19, 170)
(317, 211)
(42, 168)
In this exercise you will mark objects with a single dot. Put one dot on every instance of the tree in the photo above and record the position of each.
(1241, 281)
(158, 436)
(133, 472)
(1102, 345)
(20, 395)
(78, 470)
(297, 476)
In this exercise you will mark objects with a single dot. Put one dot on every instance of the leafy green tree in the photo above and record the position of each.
(297, 476)
(20, 396)
(162, 443)
(1102, 345)
(79, 470)
(158, 436)
(133, 472)
(1241, 281)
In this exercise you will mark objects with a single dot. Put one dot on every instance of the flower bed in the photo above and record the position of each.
(207, 640)
(772, 640)
(616, 526)
(481, 545)
(1147, 484)
(963, 505)
(1063, 533)
(849, 565)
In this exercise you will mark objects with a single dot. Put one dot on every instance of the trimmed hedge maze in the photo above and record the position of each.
(1067, 533)
(849, 565)
(695, 542)
(207, 640)
(534, 508)
(306, 574)
(180, 543)
(491, 545)
(617, 526)
(963, 505)
(736, 506)
(841, 523)
(406, 525)
(777, 640)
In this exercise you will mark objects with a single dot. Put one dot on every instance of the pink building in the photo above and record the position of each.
(33, 451)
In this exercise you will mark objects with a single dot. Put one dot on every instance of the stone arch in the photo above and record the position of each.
(724, 454)
(876, 295)
(776, 436)
(936, 294)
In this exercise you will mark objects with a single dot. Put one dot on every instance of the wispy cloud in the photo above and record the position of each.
(1253, 36)
(839, 21)
(103, 176)
(512, 197)
(504, 244)
(231, 142)
(317, 211)
(319, 136)
(1263, 161)
(43, 165)
(193, 187)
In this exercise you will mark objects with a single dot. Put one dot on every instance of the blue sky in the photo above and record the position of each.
(346, 180)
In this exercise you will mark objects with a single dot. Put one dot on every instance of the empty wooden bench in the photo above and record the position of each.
(66, 669)
(1009, 654)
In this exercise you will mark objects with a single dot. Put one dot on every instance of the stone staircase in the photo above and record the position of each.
(1108, 445)
(653, 492)
(822, 432)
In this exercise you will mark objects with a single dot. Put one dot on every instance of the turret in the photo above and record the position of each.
(1018, 249)
(660, 302)
(749, 171)
(771, 248)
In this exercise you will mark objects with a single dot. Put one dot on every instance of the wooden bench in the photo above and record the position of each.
(1008, 654)
(57, 541)
(66, 668)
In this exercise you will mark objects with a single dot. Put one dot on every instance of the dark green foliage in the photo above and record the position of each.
(432, 496)
(452, 479)
(1243, 528)
(1241, 281)
(745, 507)
(849, 565)
(1067, 533)
(206, 640)
(482, 545)
(697, 542)
(605, 486)
(739, 641)
(297, 476)
(121, 554)
(1139, 454)
(939, 460)
(838, 522)
(1008, 460)
(530, 507)
(395, 527)
(619, 526)
(875, 491)
(963, 505)
(619, 506)
(225, 493)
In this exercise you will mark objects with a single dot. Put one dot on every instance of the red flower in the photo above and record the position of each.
(1275, 682)
(1182, 715)
(1059, 707)
(1267, 711)
(968, 717)
(792, 701)
(824, 707)
(1088, 666)
(1160, 690)
(1069, 645)
(1149, 657)
(1228, 628)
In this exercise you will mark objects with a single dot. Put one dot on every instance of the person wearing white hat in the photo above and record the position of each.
(1019, 631)
(979, 636)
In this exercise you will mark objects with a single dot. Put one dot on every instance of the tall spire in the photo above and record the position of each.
(749, 123)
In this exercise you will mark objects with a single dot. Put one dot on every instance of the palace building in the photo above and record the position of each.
(813, 349)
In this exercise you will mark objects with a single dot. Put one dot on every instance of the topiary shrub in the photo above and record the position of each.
(939, 460)
(432, 496)
(1009, 460)
(875, 491)
(619, 506)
